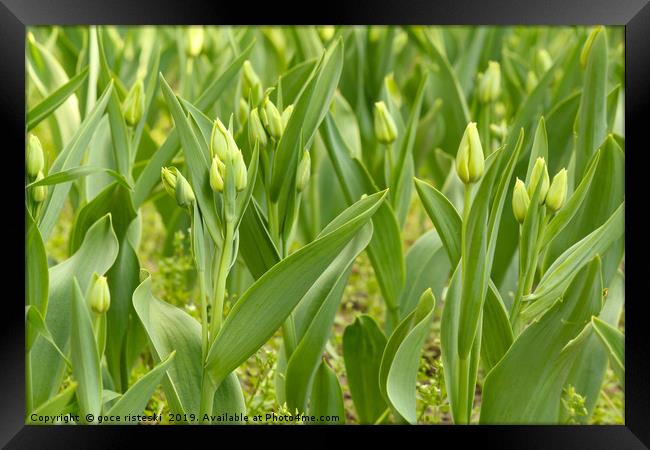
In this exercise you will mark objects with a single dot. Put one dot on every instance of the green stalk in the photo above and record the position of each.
(207, 396)
(463, 367)
(29, 398)
(204, 315)
(221, 276)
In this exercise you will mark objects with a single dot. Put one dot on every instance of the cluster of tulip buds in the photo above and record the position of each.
(34, 165)
(552, 194)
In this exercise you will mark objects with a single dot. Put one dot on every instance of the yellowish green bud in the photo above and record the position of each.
(168, 177)
(272, 119)
(543, 61)
(217, 169)
(241, 174)
(304, 171)
(385, 128)
(489, 87)
(531, 82)
(39, 192)
(286, 114)
(251, 83)
(557, 192)
(326, 32)
(195, 38)
(520, 201)
(133, 106)
(34, 159)
(184, 193)
(539, 172)
(100, 295)
(469, 159)
(221, 142)
(256, 132)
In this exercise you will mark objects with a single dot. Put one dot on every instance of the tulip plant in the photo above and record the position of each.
(324, 225)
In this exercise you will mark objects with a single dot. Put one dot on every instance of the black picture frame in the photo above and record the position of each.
(16, 15)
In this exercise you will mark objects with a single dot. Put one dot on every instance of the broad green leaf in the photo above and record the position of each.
(385, 249)
(269, 301)
(256, 246)
(84, 356)
(592, 116)
(70, 157)
(614, 342)
(50, 104)
(171, 329)
(78, 172)
(497, 332)
(427, 266)
(36, 326)
(136, 398)
(313, 319)
(560, 136)
(96, 254)
(399, 365)
(560, 273)
(55, 405)
(601, 198)
(526, 385)
(327, 397)
(309, 111)
(48, 75)
(363, 347)
(36, 270)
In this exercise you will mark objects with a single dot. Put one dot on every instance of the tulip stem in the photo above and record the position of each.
(221, 276)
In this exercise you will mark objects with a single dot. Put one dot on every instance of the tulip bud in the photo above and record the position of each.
(184, 193)
(168, 177)
(540, 172)
(271, 119)
(469, 159)
(531, 82)
(133, 106)
(557, 192)
(326, 32)
(221, 142)
(244, 111)
(543, 61)
(489, 87)
(217, 168)
(195, 37)
(285, 115)
(385, 128)
(256, 131)
(251, 83)
(100, 295)
(39, 192)
(304, 171)
(241, 175)
(520, 201)
(34, 159)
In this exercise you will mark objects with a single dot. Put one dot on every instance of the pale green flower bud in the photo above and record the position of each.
(241, 174)
(489, 87)
(469, 159)
(272, 119)
(540, 172)
(39, 192)
(385, 128)
(168, 177)
(244, 111)
(286, 114)
(531, 82)
(251, 83)
(256, 132)
(326, 32)
(100, 295)
(133, 106)
(520, 201)
(543, 61)
(304, 171)
(217, 169)
(557, 192)
(184, 193)
(34, 159)
(195, 38)
(221, 142)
